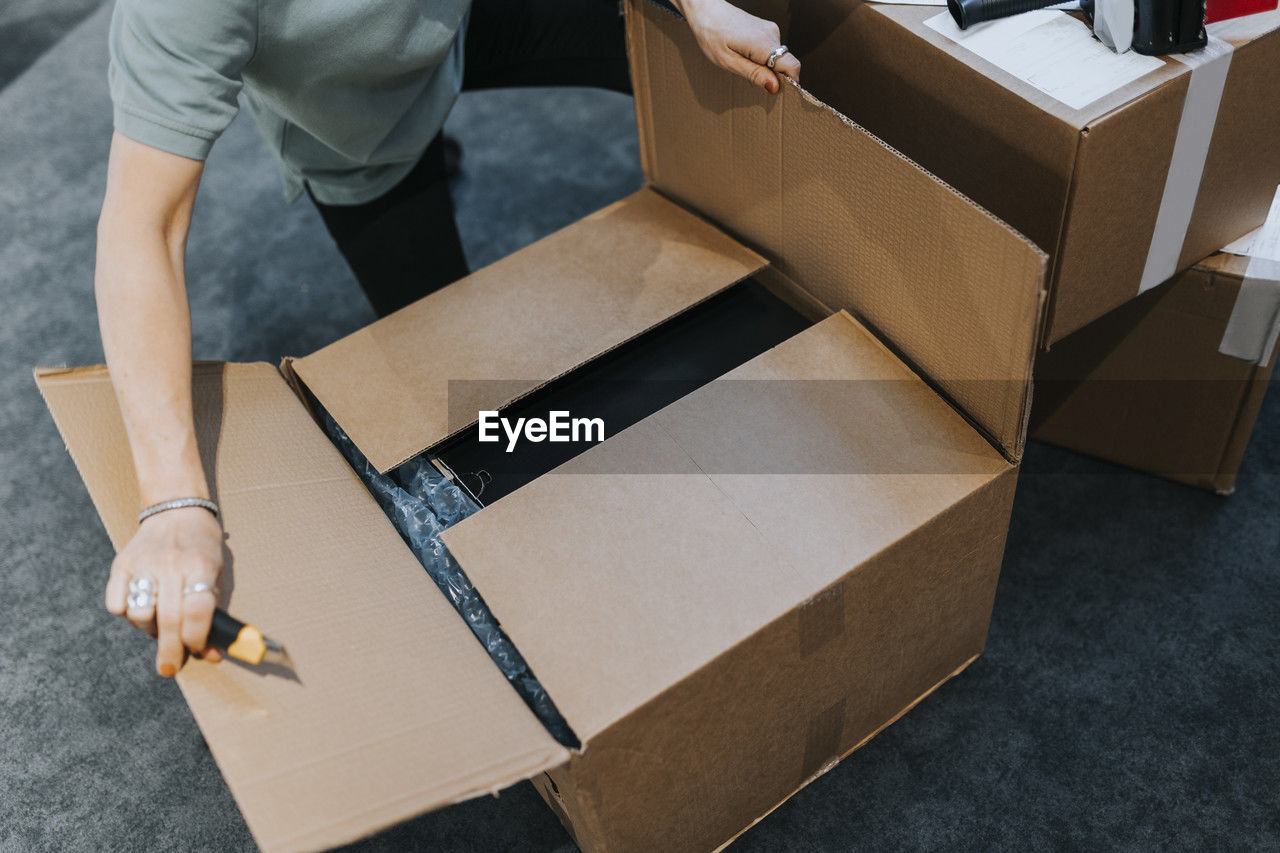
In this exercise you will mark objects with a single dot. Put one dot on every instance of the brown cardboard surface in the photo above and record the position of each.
(1145, 386)
(858, 226)
(1243, 168)
(635, 564)
(526, 319)
(397, 708)
(1085, 185)
(1030, 148)
(1114, 203)
(695, 766)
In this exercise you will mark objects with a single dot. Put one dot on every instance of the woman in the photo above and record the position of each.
(351, 98)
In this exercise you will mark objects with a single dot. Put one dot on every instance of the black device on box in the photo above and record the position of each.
(1159, 26)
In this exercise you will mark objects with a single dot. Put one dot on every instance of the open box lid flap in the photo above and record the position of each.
(408, 381)
(955, 291)
(398, 709)
(642, 559)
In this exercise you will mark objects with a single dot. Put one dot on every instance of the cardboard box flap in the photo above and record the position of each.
(523, 320)
(1027, 148)
(636, 563)
(957, 292)
(396, 708)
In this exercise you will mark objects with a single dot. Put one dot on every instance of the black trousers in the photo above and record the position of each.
(404, 244)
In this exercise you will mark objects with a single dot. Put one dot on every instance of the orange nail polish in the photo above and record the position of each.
(167, 670)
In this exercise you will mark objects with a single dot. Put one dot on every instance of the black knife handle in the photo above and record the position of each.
(226, 629)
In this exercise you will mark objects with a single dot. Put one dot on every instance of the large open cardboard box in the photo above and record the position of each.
(724, 599)
(1099, 188)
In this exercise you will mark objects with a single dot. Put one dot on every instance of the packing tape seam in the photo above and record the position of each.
(1208, 80)
(1254, 324)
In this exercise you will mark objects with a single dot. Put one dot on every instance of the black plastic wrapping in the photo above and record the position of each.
(422, 503)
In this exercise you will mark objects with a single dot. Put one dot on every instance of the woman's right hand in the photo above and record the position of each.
(175, 549)
(739, 42)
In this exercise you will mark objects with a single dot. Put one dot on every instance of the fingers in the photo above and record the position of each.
(149, 580)
(140, 604)
(197, 616)
(788, 64)
(117, 588)
(757, 41)
(169, 648)
(754, 72)
(755, 47)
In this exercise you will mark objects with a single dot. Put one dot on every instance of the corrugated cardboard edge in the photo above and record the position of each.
(848, 122)
(981, 67)
(1046, 335)
(1010, 439)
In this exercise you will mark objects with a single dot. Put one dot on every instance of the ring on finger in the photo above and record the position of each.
(198, 587)
(778, 52)
(142, 593)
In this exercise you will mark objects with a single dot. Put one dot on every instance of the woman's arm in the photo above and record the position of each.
(738, 42)
(146, 335)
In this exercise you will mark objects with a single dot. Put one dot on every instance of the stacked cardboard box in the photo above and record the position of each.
(1124, 170)
(1123, 180)
(728, 597)
(1159, 384)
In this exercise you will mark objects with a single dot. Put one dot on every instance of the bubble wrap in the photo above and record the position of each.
(422, 503)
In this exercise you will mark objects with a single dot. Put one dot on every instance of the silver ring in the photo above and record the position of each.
(142, 593)
(193, 588)
(778, 52)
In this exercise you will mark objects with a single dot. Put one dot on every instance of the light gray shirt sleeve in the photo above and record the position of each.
(175, 70)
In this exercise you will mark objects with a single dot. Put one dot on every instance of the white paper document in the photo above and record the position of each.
(1051, 51)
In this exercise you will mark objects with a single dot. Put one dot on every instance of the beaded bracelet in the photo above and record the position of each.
(178, 503)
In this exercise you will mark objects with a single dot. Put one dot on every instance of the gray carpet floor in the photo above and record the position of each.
(1127, 698)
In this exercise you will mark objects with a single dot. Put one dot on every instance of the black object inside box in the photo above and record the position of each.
(624, 386)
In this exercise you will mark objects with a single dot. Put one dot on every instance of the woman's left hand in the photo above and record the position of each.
(739, 42)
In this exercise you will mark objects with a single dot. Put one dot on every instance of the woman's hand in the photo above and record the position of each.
(173, 549)
(739, 42)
